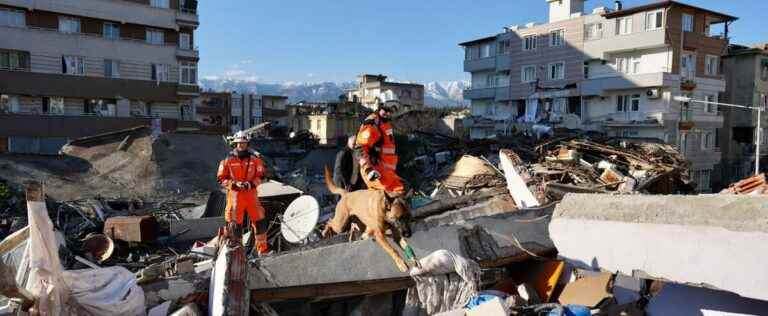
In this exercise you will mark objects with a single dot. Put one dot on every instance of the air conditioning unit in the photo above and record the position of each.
(653, 93)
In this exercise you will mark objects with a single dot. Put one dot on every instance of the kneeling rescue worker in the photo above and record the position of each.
(375, 146)
(241, 174)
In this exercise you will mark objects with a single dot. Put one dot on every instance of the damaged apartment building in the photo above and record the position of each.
(74, 68)
(616, 70)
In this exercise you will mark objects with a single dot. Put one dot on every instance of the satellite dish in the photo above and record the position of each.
(300, 218)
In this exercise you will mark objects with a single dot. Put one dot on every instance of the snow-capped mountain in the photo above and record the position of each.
(436, 94)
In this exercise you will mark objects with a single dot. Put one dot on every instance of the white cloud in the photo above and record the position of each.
(246, 61)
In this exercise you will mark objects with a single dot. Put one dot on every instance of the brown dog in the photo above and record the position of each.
(376, 211)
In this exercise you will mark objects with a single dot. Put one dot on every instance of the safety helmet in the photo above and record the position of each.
(241, 137)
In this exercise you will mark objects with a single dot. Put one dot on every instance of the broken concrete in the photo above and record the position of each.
(715, 241)
(493, 240)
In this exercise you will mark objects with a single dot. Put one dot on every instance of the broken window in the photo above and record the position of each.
(743, 134)
(73, 65)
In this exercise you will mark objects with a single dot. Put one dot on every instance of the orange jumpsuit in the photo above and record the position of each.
(241, 200)
(376, 141)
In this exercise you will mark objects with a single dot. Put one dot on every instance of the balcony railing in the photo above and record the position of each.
(101, 36)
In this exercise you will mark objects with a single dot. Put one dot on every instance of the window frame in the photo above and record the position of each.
(550, 69)
(553, 37)
(589, 35)
(709, 62)
(155, 72)
(654, 15)
(628, 22)
(188, 41)
(706, 140)
(152, 39)
(688, 25)
(523, 73)
(504, 47)
(21, 64)
(532, 40)
(79, 65)
(20, 15)
(111, 26)
(63, 22)
(114, 68)
(485, 50)
(191, 68)
(162, 4)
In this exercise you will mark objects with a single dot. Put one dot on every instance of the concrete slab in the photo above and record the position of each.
(196, 229)
(714, 241)
(487, 238)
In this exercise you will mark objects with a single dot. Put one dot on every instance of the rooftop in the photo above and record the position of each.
(666, 3)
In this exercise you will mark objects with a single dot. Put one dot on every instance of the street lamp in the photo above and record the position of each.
(758, 109)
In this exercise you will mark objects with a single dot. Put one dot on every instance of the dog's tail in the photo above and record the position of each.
(329, 183)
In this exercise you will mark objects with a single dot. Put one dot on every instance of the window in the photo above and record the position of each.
(53, 105)
(683, 142)
(688, 66)
(159, 3)
(234, 119)
(586, 71)
(160, 72)
(556, 71)
(624, 26)
(706, 140)
(471, 52)
(14, 60)
(627, 103)
(185, 41)
(711, 63)
(15, 18)
(559, 105)
(504, 47)
(155, 37)
(593, 31)
(557, 38)
(69, 25)
(188, 72)
(654, 20)
(485, 50)
(73, 65)
(111, 31)
(528, 74)
(529, 42)
(764, 69)
(687, 22)
(628, 65)
(111, 68)
(709, 107)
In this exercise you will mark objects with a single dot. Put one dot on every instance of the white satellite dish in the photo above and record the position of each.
(300, 219)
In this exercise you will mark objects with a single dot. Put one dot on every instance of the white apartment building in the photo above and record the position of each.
(615, 71)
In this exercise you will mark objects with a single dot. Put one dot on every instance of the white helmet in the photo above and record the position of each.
(241, 137)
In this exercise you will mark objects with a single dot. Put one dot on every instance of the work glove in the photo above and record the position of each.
(373, 175)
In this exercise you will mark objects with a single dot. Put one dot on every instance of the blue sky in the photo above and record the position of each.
(334, 40)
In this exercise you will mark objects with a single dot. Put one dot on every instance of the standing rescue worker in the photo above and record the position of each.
(375, 144)
(241, 174)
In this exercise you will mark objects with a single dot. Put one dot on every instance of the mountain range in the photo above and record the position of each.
(436, 93)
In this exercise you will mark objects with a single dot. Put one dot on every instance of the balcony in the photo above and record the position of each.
(188, 53)
(480, 93)
(503, 93)
(472, 65)
(633, 119)
(611, 43)
(123, 11)
(596, 86)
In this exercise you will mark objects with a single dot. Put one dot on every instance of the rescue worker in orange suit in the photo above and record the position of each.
(375, 146)
(241, 174)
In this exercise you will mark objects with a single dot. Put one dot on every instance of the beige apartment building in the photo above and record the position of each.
(77, 67)
(369, 87)
(613, 70)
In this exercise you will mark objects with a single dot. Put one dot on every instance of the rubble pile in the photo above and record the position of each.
(753, 185)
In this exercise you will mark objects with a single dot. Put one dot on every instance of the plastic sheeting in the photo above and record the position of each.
(446, 281)
(45, 271)
(106, 291)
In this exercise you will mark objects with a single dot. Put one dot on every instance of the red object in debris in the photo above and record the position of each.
(752, 185)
